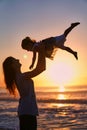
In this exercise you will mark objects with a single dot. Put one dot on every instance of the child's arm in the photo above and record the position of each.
(36, 48)
(33, 59)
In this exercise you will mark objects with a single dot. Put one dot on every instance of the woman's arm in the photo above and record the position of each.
(41, 63)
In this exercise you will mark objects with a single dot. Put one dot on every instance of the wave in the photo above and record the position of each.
(42, 100)
(64, 101)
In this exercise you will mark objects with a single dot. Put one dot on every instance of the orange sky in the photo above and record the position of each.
(39, 20)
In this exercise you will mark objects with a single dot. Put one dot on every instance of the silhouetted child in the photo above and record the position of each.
(51, 44)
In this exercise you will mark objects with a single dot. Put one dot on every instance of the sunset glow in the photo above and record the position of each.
(40, 20)
(61, 73)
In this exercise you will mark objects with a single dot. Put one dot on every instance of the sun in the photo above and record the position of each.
(61, 88)
(61, 73)
(25, 56)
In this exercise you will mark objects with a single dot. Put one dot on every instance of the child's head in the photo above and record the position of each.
(27, 43)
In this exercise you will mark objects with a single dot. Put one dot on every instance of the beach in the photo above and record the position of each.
(57, 110)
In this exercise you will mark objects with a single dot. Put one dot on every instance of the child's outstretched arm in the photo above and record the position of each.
(36, 48)
(33, 59)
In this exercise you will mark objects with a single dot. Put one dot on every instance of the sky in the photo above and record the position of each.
(40, 19)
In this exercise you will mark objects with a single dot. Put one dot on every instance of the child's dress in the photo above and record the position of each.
(51, 45)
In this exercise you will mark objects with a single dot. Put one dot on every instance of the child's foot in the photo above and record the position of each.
(75, 24)
(75, 54)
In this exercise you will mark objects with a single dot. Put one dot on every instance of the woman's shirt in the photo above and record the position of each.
(27, 101)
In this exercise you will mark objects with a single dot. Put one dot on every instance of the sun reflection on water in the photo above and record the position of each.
(61, 96)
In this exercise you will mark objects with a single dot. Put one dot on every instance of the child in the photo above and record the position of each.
(51, 45)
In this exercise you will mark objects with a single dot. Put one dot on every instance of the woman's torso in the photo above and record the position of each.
(27, 101)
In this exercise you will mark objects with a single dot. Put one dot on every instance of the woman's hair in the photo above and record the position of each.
(27, 41)
(9, 75)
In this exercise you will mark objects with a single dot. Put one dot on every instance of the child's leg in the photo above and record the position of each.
(70, 28)
(70, 51)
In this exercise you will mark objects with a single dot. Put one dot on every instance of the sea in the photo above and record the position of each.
(59, 109)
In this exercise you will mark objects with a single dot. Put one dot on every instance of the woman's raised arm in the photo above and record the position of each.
(41, 63)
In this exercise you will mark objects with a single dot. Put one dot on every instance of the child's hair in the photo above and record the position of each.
(27, 41)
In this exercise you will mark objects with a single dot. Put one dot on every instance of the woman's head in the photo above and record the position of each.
(10, 65)
(27, 43)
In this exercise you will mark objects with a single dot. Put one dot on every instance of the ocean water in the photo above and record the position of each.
(59, 109)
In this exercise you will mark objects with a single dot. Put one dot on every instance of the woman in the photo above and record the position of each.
(14, 78)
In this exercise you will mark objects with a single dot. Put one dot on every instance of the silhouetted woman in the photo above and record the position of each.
(14, 78)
